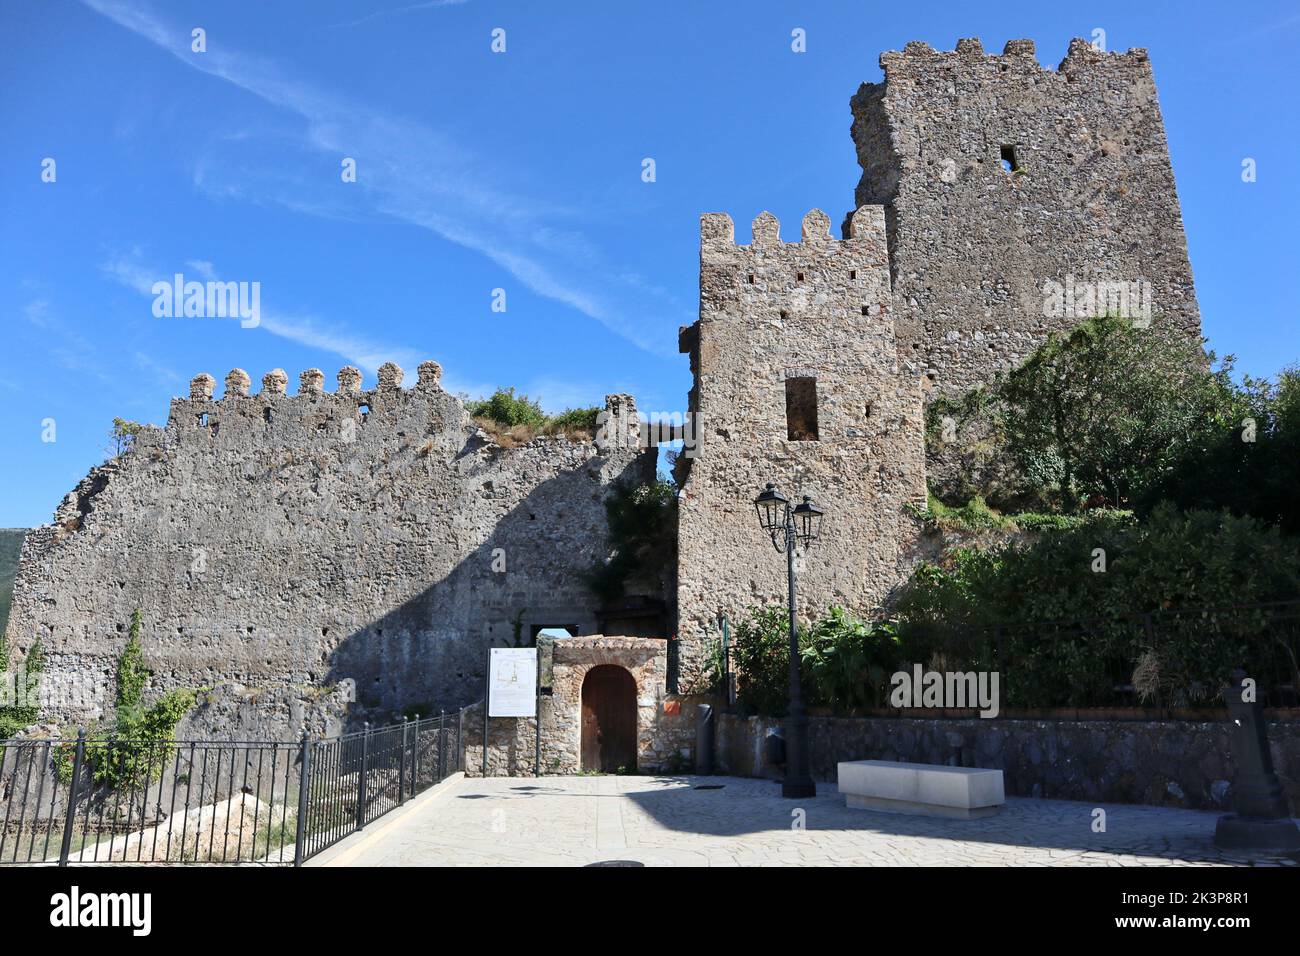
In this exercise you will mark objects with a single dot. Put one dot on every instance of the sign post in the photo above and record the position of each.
(512, 687)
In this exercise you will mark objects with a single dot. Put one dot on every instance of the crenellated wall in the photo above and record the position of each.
(972, 246)
(380, 536)
(276, 540)
(820, 308)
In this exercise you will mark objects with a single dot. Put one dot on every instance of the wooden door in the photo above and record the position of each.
(608, 719)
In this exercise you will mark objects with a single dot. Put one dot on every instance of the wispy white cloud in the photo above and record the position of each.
(65, 346)
(160, 372)
(411, 173)
(397, 11)
(132, 272)
(203, 267)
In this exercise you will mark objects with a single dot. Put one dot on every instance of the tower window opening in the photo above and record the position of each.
(1009, 162)
(801, 409)
(853, 273)
(751, 278)
(785, 314)
(866, 310)
(798, 277)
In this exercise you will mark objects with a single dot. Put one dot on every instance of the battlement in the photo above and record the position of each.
(1016, 55)
(311, 383)
(999, 175)
(273, 417)
(718, 232)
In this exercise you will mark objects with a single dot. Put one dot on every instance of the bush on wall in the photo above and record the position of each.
(845, 661)
(1126, 416)
(1107, 575)
(1074, 618)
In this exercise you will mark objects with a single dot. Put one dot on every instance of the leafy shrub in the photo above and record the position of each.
(139, 745)
(761, 657)
(131, 671)
(508, 410)
(515, 419)
(574, 420)
(845, 662)
(21, 711)
(848, 661)
(642, 537)
(1170, 561)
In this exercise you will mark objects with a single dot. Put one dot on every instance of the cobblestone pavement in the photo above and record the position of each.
(675, 821)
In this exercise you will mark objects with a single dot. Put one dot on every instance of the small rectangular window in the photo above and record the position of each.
(801, 409)
(1009, 163)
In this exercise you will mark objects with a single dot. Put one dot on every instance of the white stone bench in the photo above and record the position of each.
(921, 788)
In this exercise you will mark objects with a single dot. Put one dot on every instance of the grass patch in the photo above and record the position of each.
(977, 516)
(517, 419)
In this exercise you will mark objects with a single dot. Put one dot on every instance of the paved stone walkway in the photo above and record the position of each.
(672, 821)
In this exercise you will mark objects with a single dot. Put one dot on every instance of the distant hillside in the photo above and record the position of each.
(11, 542)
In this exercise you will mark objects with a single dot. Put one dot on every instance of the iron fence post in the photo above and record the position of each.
(304, 788)
(361, 776)
(70, 815)
(401, 768)
(415, 756)
(442, 740)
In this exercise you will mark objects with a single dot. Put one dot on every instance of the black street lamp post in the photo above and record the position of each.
(789, 528)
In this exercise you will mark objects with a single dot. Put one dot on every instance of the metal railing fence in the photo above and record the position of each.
(119, 801)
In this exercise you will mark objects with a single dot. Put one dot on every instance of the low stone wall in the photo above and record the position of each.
(1164, 763)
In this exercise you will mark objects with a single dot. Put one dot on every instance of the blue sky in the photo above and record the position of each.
(519, 171)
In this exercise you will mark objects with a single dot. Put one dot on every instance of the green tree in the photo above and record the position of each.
(122, 436)
(1248, 460)
(1106, 411)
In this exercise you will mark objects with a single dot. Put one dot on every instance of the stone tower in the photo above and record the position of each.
(1000, 177)
(797, 382)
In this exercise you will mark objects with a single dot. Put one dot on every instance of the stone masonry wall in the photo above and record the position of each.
(1167, 762)
(971, 246)
(770, 311)
(665, 722)
(270, 540)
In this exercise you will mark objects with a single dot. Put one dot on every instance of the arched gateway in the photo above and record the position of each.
(608, 719)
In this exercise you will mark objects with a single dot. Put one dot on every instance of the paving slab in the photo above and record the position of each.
(667, 821)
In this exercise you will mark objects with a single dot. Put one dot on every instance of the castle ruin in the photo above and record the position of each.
(381, 538)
